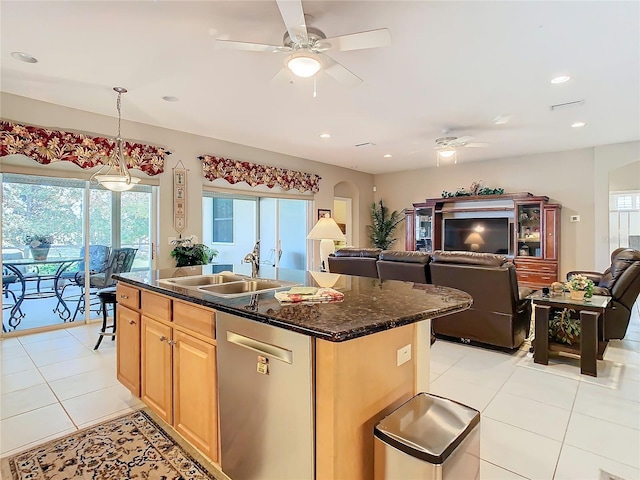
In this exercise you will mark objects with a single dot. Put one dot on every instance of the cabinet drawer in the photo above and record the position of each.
(156, 306)
(536, 278)
(198, 319)
(128, 296)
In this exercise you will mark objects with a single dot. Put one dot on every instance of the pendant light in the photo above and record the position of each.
(114, 175)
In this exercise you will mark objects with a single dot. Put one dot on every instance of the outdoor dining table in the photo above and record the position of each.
(13, 266)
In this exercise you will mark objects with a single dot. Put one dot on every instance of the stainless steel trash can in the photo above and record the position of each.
(428, 438)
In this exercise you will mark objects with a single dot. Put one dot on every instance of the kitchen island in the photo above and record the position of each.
(363, 357)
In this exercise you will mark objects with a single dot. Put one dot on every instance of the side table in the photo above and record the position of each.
(590, 348)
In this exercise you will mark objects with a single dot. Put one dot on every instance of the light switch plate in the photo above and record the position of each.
(404, 354)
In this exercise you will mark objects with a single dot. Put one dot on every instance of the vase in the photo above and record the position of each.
(39, 253)
(577, 294)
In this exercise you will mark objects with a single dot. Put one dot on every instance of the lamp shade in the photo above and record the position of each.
(326, 228)
(303, 64)
(474, 238)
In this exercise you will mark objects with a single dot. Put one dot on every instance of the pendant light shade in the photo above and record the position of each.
(114, 175)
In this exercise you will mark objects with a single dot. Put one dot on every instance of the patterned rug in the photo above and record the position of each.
(132, 446)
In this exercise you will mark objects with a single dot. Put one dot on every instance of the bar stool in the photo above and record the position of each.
(107, 296)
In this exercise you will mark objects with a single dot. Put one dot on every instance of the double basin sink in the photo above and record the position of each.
(227, 285)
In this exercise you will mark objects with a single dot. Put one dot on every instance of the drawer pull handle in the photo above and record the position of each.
(163, 338)
(171, 342)
(124, 296)
(132, 322)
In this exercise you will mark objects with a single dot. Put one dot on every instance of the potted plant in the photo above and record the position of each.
(384, 225)
(188, 254)
(39, 245)
(564, 327)
(580, 287)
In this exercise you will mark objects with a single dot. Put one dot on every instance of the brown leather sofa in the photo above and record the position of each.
(355, 261)
(621, 282)
(499, 316)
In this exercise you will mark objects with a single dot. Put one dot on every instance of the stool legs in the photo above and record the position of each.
(103, 330)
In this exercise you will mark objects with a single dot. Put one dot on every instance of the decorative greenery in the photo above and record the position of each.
(580, 283)
(564, 328)
(38, 241)
(188, 254)
(475, 188)
(384, 225)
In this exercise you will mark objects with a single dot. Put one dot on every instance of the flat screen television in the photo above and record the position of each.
(484, 235)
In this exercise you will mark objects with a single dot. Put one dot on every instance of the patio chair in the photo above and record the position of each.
(7, 280)
(98, 257)
(120, 261)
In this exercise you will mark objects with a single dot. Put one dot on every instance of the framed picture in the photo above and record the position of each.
(323, 212)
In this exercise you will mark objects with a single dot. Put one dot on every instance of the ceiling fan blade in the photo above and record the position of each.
(476, 144)
(339, 72)
(358, 41)
(252, 47)
(293, 16)
(461, 141)
(283, 77)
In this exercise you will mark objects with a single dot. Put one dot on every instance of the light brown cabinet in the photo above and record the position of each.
(175, 349)
(531, 230)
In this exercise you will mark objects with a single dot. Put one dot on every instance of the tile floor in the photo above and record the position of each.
(538, 422)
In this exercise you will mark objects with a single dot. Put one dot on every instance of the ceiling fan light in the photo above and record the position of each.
(447, 152)
(303, 64)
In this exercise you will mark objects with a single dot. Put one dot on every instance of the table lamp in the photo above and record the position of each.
(326, 230)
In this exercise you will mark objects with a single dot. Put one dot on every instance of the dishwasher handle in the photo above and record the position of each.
(261, 347)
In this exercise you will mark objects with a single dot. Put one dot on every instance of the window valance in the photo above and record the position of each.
(46, 146)
(234, 171)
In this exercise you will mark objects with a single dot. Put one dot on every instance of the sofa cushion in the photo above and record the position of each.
(358, 252)
(468, 258)
(409, 257)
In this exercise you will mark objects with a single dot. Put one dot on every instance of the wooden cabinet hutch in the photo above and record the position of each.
(534, 224)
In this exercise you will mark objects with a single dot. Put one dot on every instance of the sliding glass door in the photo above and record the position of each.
(49, 291)
(233, 223)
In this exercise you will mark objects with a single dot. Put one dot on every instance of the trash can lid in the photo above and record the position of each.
(427, 427)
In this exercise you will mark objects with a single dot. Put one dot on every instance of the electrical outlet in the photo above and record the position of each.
(404, 355)
(575, 218)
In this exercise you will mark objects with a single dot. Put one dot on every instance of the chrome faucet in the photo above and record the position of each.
(253, 258)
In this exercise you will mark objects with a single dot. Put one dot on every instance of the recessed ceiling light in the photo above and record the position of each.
(325, 135)
(560, 79)
(24, 57)
(501, 119)
(387, 155)
(170, 98)
(578, 124)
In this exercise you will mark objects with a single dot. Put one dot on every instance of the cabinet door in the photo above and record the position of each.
(128, 348)
(156, 367)
(195, 387)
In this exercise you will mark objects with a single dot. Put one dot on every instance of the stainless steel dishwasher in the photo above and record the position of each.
(265, 380)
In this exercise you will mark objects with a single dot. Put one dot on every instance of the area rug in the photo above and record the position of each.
(132, 446)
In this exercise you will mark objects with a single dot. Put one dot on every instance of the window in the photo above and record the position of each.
(624, 220)
(222, 220)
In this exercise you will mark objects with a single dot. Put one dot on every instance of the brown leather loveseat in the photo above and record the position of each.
(499, 316)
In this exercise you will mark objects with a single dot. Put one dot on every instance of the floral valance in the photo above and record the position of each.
(234, 171)
(46, 146)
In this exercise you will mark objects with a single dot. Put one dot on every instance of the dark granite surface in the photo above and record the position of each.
(369, 305)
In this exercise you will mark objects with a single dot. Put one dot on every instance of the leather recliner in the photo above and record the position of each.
(407, 266)
(621, 282)
(500, 314)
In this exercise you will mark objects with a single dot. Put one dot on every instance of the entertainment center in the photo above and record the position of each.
(522, 226)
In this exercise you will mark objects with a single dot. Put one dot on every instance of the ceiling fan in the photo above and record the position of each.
(307, 45)
(446, 146)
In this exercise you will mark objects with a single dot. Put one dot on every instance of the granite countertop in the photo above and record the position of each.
(369, 305)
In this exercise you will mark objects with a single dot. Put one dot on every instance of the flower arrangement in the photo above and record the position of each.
(564, 327)
(188, 254)
(580, 283)
(38, 241)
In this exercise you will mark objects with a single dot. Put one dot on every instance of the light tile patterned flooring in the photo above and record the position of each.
(538, 422)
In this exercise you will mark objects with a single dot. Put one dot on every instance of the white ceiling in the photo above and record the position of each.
(451, 65)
